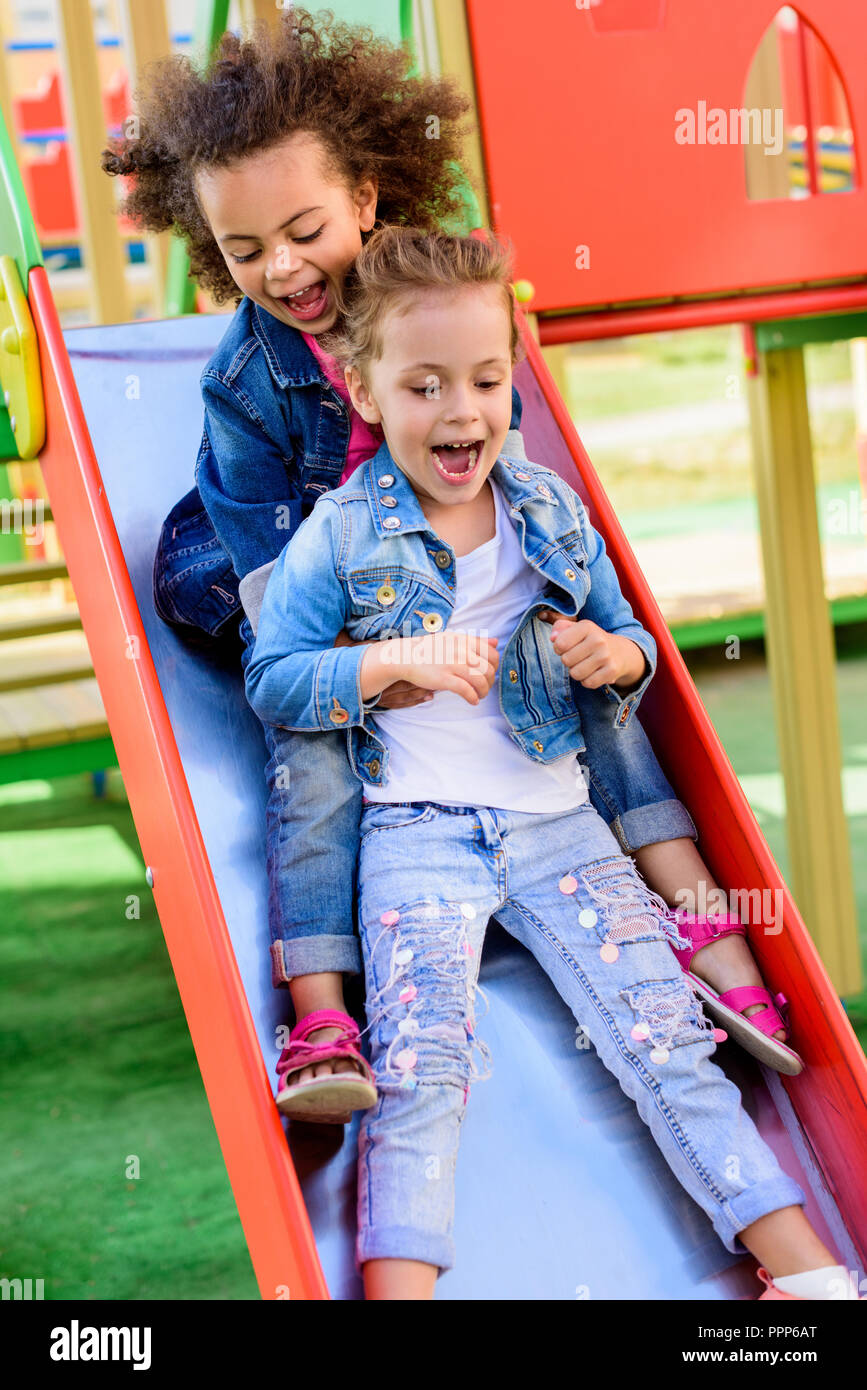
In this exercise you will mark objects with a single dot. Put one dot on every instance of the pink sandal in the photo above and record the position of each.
(327, 1100)
(755, 1034)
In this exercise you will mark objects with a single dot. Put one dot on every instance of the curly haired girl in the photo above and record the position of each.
(275, 163)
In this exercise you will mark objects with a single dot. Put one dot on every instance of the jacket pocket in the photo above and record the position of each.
(389, 601)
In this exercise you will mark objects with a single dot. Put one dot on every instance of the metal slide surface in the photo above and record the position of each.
(561, 1191)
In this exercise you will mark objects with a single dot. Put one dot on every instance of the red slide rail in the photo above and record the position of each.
(248, 1126)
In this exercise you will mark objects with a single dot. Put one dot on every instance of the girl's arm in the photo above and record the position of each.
(296, 676)
(244, 477)
(606, 639)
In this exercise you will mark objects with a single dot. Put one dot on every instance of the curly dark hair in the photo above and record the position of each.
(343, 83)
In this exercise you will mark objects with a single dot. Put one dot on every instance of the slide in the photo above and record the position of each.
(561, 1192)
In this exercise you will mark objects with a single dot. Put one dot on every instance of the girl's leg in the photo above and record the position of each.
(421, 948)
(785, 1243)
(632, 795)
(399, 1280)
(676, 871)
(312, 817)
(581, 908)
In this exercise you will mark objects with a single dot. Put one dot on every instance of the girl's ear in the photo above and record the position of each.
(361, 397)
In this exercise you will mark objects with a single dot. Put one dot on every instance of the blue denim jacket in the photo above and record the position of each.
(380, 571)
(275, 439)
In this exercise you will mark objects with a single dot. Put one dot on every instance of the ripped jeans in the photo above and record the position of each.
(430, 877)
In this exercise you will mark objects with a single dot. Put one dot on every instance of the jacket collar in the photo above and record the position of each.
(520, 481)
(290, 361)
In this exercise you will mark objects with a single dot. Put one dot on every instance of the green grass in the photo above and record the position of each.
(619, 377)
(98, 1070)
(738, 698)
(650, 371)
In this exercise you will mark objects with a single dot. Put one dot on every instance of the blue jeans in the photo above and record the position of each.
(430, 877)
(627, 786)
(312, 817)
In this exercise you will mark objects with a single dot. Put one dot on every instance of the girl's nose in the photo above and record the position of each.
(282, 263)
(460, 408)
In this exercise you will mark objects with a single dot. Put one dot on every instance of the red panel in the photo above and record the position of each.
(578, 126)
(227, 1049)
(830, 1095)
(42, 109)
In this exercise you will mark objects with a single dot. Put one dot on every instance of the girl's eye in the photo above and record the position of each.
(423, 390)
(240, 260)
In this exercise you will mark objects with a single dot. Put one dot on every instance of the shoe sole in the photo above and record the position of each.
(330, 1100)
(767, 1050)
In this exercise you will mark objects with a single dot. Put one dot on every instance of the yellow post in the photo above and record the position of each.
(6, 32)
(801, 662)
(450, 34)
(82, 96)
(145, 38)
(269, 10)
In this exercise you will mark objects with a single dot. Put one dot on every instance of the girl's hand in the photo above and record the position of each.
(399, 695)
(404, 695)
(456, 661)
(594, 657)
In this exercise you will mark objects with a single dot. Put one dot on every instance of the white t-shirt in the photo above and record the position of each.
(461, 754)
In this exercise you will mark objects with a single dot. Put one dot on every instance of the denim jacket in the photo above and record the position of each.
(378, 570)
(275, 438)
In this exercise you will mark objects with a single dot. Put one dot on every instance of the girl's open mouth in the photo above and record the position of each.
(457, 463)
(309, 303)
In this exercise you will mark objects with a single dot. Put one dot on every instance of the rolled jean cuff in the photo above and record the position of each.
(759, 1200)
(309, 955)
(405, 1243)
(653, 824)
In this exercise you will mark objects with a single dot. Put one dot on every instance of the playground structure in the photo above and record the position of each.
(191, 751)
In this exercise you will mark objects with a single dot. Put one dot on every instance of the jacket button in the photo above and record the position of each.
(388, 501)
(431, 622)
(338, 715)
(625, 715)
(523, 477)
(570, 574)
(443, 559)
(373, 767)
(538, 746)
(385, 595)
(386, 480)
(513, 676)
(391, 523)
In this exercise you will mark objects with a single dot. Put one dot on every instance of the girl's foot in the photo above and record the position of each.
(728, 963)
(830, 1283)
(323, 1075)
(329, 1068)
(720, 968)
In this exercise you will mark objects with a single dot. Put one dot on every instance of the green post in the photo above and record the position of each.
(208, 27)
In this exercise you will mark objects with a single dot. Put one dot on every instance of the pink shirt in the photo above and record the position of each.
(364, 439)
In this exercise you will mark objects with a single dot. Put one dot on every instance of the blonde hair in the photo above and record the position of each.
(396, 264)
